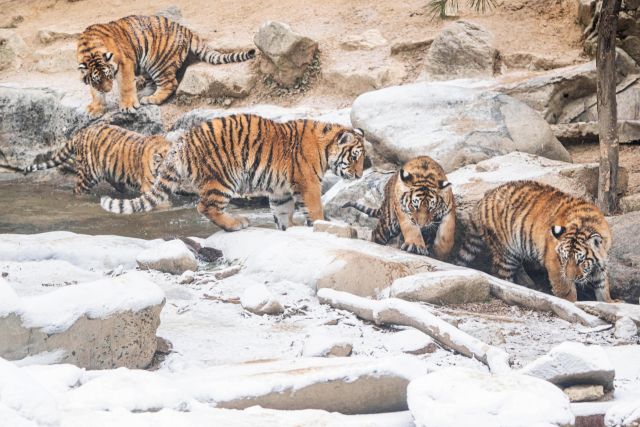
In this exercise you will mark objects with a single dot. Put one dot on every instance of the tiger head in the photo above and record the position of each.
(346, 158)
(157, 149)
(581, 252)
(421, 192)
(98, 70)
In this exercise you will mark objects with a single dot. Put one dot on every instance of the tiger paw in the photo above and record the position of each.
(147, 100)
(95, 110)
(240, 223)
(415, 249)
(129, 107)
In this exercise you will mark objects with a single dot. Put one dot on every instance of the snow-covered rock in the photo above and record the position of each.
(187, 277)
(410, 341)
(611, 312)
(57, 59)
(584, 393)
(205, 80)
(104, 324)
(319, 260)
(23, 401)
(348, 385)
(286, 52)
(488, 334)
(465, 397)
(87, 252)
(340, 230)
(465, 126)
(626, 329)
(258, 300)
(323, 345)
(12, 49)
(442, 287)
(572, 363)
(624, 414)
(463, 49)
(173, 257)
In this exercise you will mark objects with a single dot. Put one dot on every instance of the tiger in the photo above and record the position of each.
(151, 46)
(418, 202)
(247, 155)
(109, 153)
(527, 221)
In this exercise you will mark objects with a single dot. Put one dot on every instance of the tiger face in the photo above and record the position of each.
(347, 158)
(581, 253)
(98, 71)
(421, 199)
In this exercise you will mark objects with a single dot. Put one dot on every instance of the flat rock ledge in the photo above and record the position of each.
(106, 324)
(443, 287)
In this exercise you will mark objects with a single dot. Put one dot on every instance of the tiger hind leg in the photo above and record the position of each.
(166, 86)
(84, 183)
(505, 265)
(214, 197)
(472, 246)
(149, 88)
(282, 208)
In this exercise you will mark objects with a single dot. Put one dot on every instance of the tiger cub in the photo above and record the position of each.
(246, 155)
(108, 153)
(149, 45)
(529, 221)
(418, 202)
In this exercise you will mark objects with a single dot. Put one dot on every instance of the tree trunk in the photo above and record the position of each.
(607, 107)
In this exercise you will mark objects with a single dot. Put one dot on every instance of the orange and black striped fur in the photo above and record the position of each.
(151, 46)
(525, 221)
(246, 155)
(418, 202)
(108, 153)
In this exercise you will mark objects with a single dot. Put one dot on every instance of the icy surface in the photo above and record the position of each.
(463, 397)
(56, 311)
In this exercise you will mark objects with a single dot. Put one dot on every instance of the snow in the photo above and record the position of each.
(87, 252)
(409, 340)
(464, 397)
(173, 249)
(626, 328)
(320, 344)
(626, 414)
(39, 277)
(258, 298)
(56, 311)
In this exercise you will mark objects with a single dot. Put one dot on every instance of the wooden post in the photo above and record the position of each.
(607, 107)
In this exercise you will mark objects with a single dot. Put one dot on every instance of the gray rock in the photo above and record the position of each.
(488, 334)
(461, 50)
(586, 9)
(628, 131)
(631, 45)
(205, 80)
(118, 337)
(173, 257)
(442, 287)
(340, 230)
(173, 13)
(611, 312)
(368, 40)
(354, 80)
(54, 33)
(286, 53)
(57, 59)
(572, 363)
(624, 259)
(12, 50)
(626, 329)
(584, 393)
(410, 45)
(36, 123)
(465, 126)
(533, 62)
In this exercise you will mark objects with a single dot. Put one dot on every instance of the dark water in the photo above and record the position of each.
(37, 205)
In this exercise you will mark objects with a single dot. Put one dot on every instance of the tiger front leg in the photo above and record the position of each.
(601, 289)
(560, 285)
(310, 201)
(413, 240)
(127, 83)
(166, 86)
(443, 242)
(282, 208)
(96, 108)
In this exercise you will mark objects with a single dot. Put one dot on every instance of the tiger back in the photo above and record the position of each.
(109, 153)
(526, 221)
(246, 155)
(152, 46)
(418, 202)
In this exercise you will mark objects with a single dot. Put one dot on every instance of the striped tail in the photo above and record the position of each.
(66, 152)
(373, 213)
(166, 183)
(471, 247)
(207, 54)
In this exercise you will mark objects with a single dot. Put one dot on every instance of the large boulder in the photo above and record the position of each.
(204, 80)
(57, 59)
(461, 50)
(104, 324)
(465, 397)
(464, 126)
(572, 363)
(287, 54)
(624, 259)
(12, 50)
(36, 123)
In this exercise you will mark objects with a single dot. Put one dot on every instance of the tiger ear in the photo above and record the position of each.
(157, 158)
(596, 240)
(557, 231)
(345, 138)
(406, 177)
(108, 56)
(359, 131)
(82, 68)
(443, 184)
